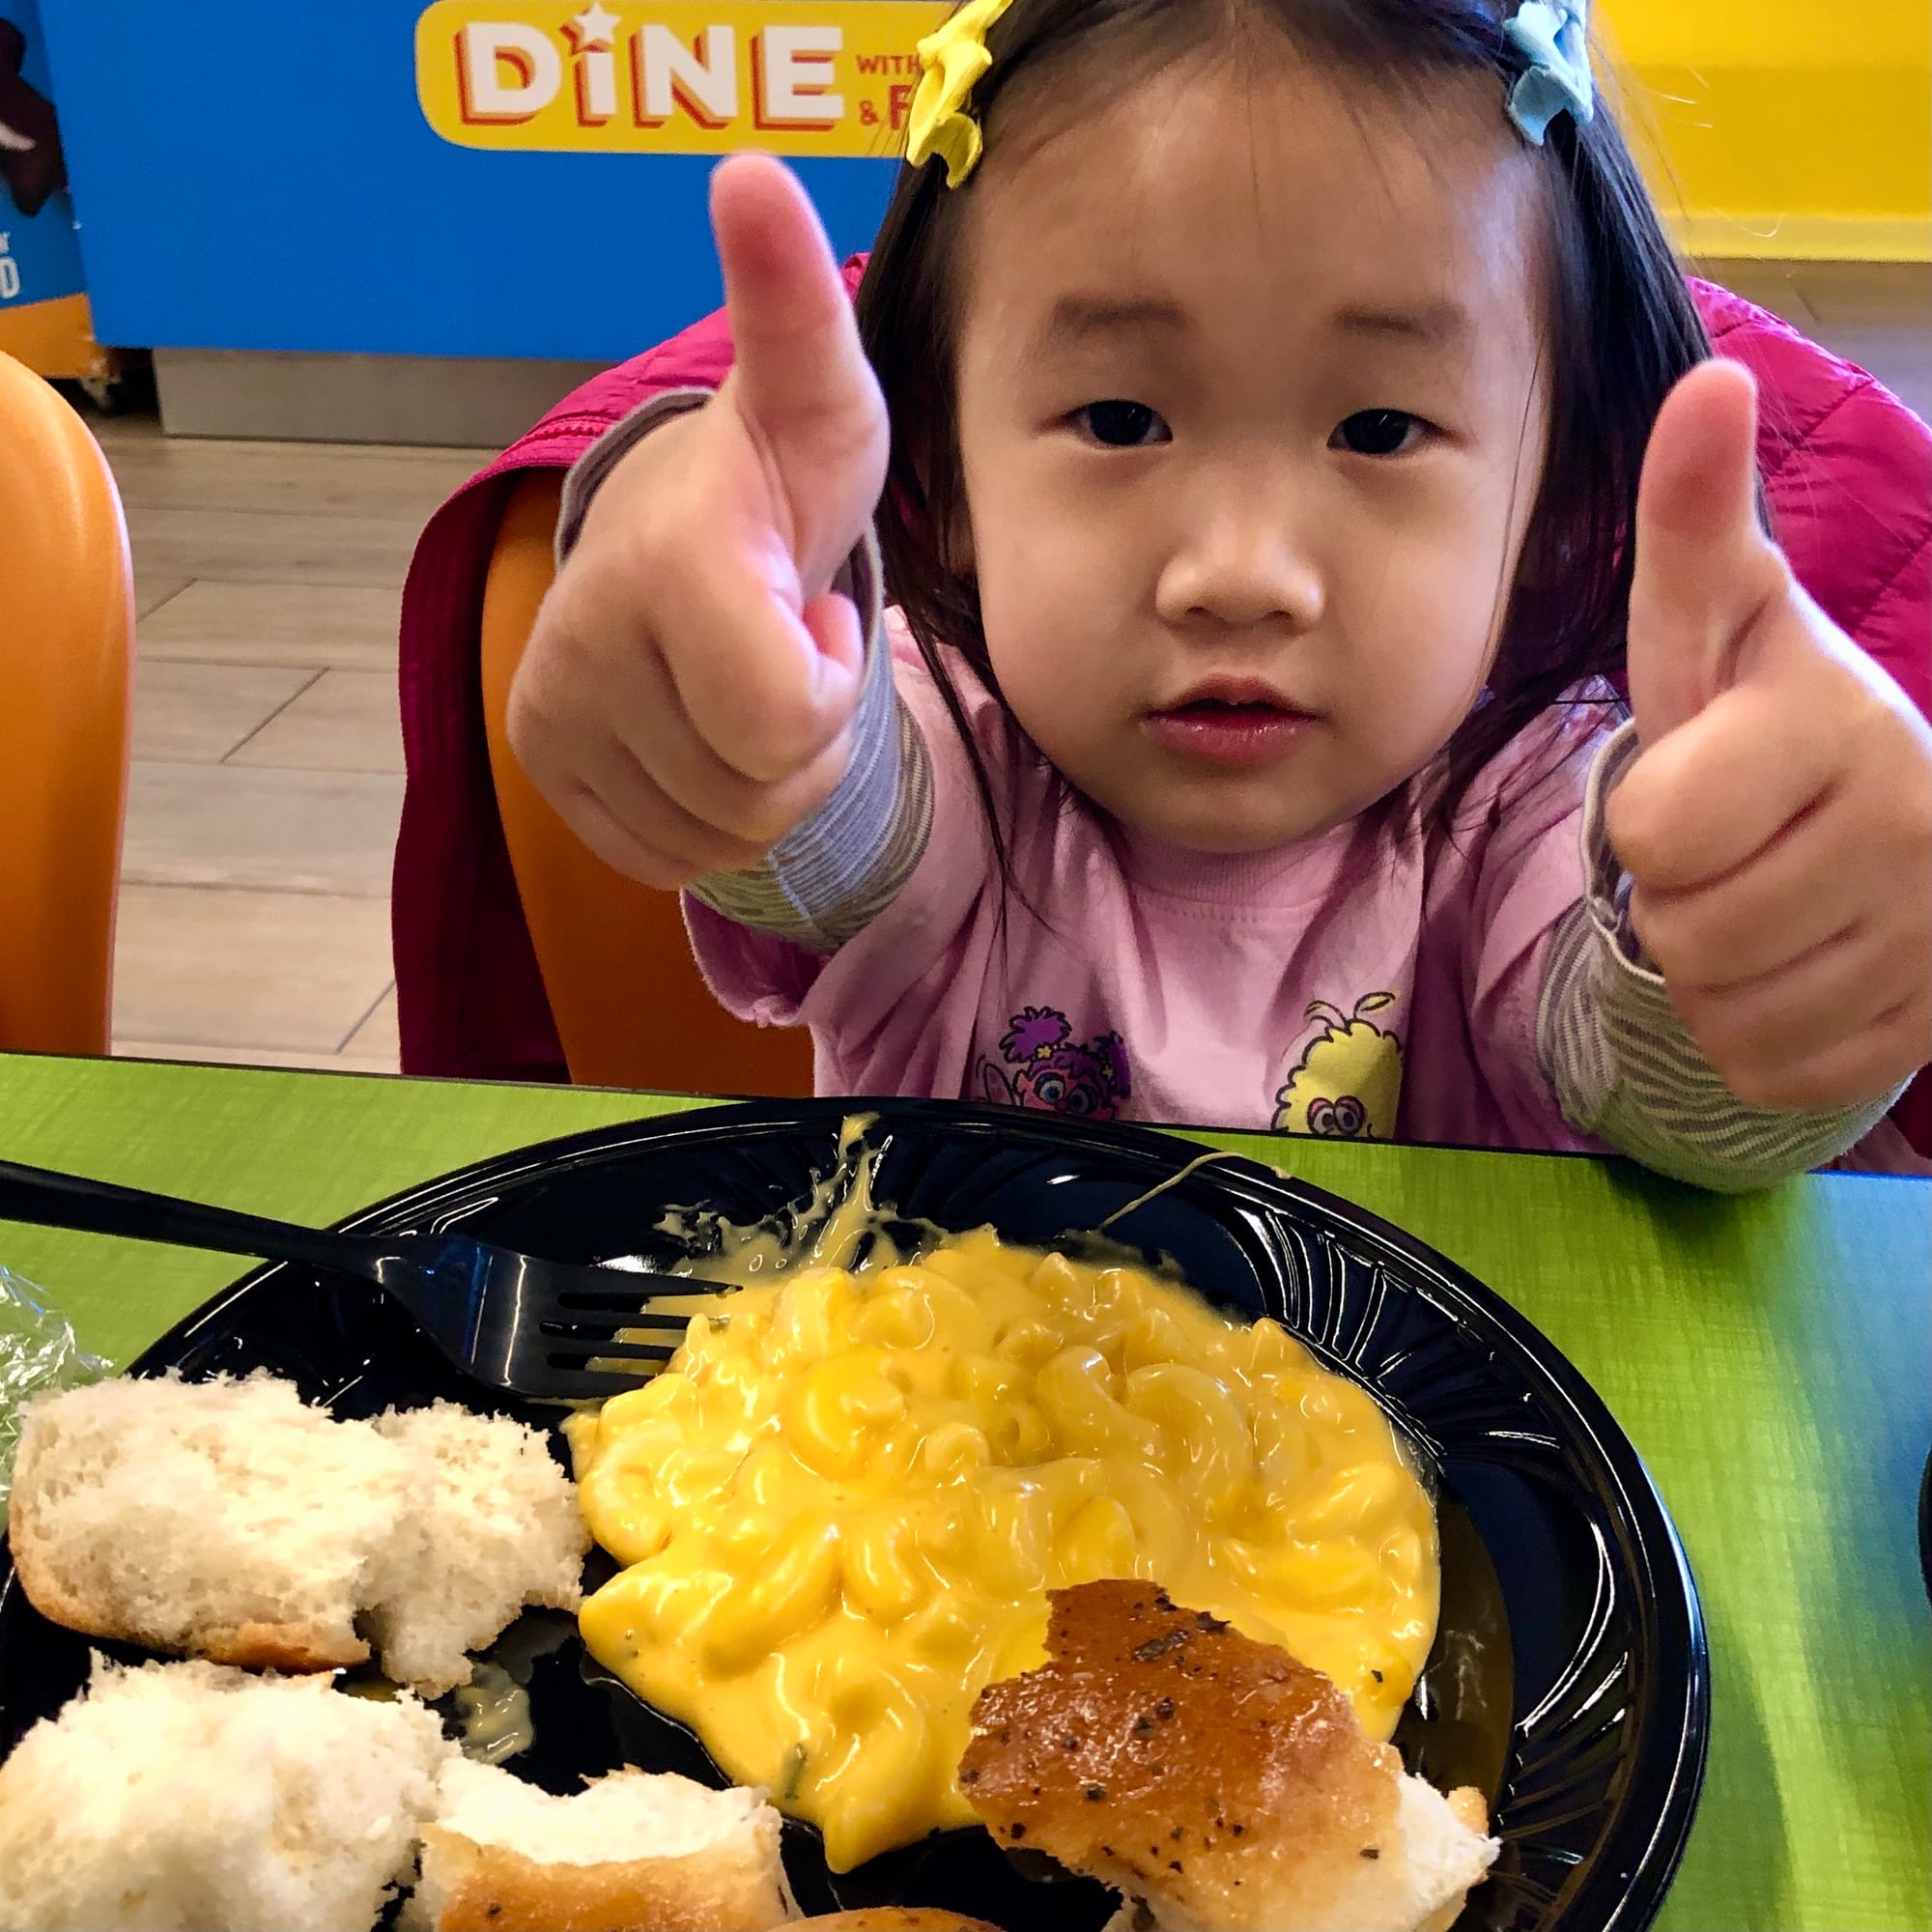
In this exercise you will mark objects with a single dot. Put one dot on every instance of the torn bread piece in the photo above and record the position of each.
(635, 1852)
(232, 1520)
(1219, 1784)
(194, 1797)
(227, 1520)
(499, 1530)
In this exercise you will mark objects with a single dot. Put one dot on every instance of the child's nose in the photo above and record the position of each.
(1240, 569)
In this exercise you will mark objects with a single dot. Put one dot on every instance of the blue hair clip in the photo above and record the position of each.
(1554, 37)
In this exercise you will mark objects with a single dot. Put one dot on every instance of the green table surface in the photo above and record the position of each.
(1770, 1358)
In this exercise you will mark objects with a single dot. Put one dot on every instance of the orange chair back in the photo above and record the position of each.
(627, 998)
(67, 657)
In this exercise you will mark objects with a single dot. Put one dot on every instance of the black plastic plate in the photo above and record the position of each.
(1569, 1680)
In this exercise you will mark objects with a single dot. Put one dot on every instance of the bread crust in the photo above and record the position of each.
(1163, 1753)
(1148, 1712)
(277, 1627)
(491, 1889)
(295, 1648)
(892, 1918)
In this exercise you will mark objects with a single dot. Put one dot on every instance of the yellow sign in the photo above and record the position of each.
(1797, 129)
(677, 77)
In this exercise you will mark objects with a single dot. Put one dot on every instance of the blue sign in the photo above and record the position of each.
(263, 177)
(39, 260)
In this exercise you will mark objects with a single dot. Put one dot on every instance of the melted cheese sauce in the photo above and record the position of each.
(492, 1716)
(841, 1505)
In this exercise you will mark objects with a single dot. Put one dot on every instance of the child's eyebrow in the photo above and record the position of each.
(1077, 318)
(1432, 322)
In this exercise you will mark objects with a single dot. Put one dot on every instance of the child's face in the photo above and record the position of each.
(1252, 421)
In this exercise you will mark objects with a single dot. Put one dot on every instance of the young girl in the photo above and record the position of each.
(1295, 418)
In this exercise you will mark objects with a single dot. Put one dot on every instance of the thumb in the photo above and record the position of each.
(1704, 567)
(801, 381)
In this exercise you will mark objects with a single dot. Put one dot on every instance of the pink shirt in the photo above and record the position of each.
(1366, 982)
(1844, 467)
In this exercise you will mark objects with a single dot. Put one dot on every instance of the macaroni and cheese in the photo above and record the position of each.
(842, 1504)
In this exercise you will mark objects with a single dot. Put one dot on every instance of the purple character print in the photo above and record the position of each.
(1053, 1071)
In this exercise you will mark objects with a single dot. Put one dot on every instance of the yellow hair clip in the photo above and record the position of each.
(953, 59)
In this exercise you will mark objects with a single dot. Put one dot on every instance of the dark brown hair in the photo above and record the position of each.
(1621, 329)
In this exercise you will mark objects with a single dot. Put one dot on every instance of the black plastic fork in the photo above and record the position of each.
(557, 1331)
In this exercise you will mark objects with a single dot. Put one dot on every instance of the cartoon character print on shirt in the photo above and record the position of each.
(1053, 1071)
(1347, 1083)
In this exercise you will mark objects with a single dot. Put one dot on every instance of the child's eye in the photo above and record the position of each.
(1122, 425)
(1379, 433)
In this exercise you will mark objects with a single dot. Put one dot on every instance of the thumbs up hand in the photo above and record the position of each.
(687, 693)
(1778, 824)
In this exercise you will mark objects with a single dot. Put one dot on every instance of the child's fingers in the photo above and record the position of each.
(596, 720)
(1707, 797)
(681, 840)
(612, 806)
(650, 717)
(1864, 1062)
(1837, 1028)
(1705, 572)
(567, 729)
(621, 849)
(836, 628)
(800, 376)
(1788, 899)
(751, 674)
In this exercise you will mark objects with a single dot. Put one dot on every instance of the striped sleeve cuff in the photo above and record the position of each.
(1622, 1064)
(588, 472)
(831, 876)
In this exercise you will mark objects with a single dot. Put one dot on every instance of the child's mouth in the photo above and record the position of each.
(1235, 729)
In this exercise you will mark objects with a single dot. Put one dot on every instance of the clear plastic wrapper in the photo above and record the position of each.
(38, 1350)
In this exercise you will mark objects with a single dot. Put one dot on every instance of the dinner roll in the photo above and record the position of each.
(225, 1519)
(231, 1521)
(635, 1852)
(191, 1798)
(499, 1529)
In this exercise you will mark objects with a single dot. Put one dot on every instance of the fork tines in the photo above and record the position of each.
(613, 1339)
(610, 1337)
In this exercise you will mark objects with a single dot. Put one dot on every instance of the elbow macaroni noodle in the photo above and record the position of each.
(841, 1505)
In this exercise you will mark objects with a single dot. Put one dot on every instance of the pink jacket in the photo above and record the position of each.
(1847, 468)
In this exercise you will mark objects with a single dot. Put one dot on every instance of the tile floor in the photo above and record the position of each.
(268, 773)
(267, 757)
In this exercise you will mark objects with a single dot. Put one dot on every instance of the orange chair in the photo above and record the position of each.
(627, 998)
(66, 660)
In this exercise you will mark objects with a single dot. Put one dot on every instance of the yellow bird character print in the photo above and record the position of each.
(1347, 1082)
